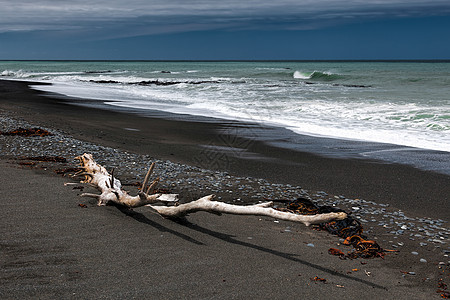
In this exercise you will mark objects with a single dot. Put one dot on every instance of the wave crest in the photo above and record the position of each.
(317, 75)
(11, 73)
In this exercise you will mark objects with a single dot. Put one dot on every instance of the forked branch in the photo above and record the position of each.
(111, 191)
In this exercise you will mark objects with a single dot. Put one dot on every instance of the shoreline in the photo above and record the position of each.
(241, 149)
(60, 248)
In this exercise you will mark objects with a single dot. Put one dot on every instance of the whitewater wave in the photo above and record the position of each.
(7, 73)
(317, 75)
(44, 75)
(16, 74)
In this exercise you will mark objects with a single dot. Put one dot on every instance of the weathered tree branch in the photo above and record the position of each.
(111, 191)
(111, 188)
(262, 209)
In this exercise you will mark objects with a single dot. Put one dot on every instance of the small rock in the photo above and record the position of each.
(415, 253)
(310, 245)
(438, 241)
(423, 260)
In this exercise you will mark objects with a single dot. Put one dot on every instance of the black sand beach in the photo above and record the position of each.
(219, 146)
(51, 247)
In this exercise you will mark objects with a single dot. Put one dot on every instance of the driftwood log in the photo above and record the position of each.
(111, 192)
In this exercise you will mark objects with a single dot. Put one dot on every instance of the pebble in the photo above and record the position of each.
(438, 241)
(415, 253)
(310, 245)
(423, 260)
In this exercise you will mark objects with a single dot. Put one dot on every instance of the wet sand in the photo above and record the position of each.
(51, 247)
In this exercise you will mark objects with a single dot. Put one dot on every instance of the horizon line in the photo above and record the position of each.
(232, 60)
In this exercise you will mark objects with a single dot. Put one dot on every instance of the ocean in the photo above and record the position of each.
(398, 103)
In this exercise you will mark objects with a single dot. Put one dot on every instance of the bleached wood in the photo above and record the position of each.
(262, 209)
(111, 188)
(111, 191)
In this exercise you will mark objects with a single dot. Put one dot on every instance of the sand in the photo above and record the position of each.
(53, 248)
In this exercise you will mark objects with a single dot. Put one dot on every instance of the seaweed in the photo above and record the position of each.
(350, 229)
(27, 132)
(316, 278)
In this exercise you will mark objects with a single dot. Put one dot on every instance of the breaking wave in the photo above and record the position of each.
(317, 75)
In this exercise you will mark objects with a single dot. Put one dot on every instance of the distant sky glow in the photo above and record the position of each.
(102, 29)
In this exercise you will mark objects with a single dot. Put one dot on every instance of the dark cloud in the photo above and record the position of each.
(116, 18)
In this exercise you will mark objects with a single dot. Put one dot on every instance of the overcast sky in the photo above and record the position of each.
(225, 29)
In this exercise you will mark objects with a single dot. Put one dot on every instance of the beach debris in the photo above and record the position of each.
(342, 228)
(26, 132)
(364, 248)
(318, 279)
(336, 252)
(444, 269)
(349, 228)
(443, 289)
(112, 193)
(82, 205)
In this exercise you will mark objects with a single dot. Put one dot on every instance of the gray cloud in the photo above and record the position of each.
(114, 18)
